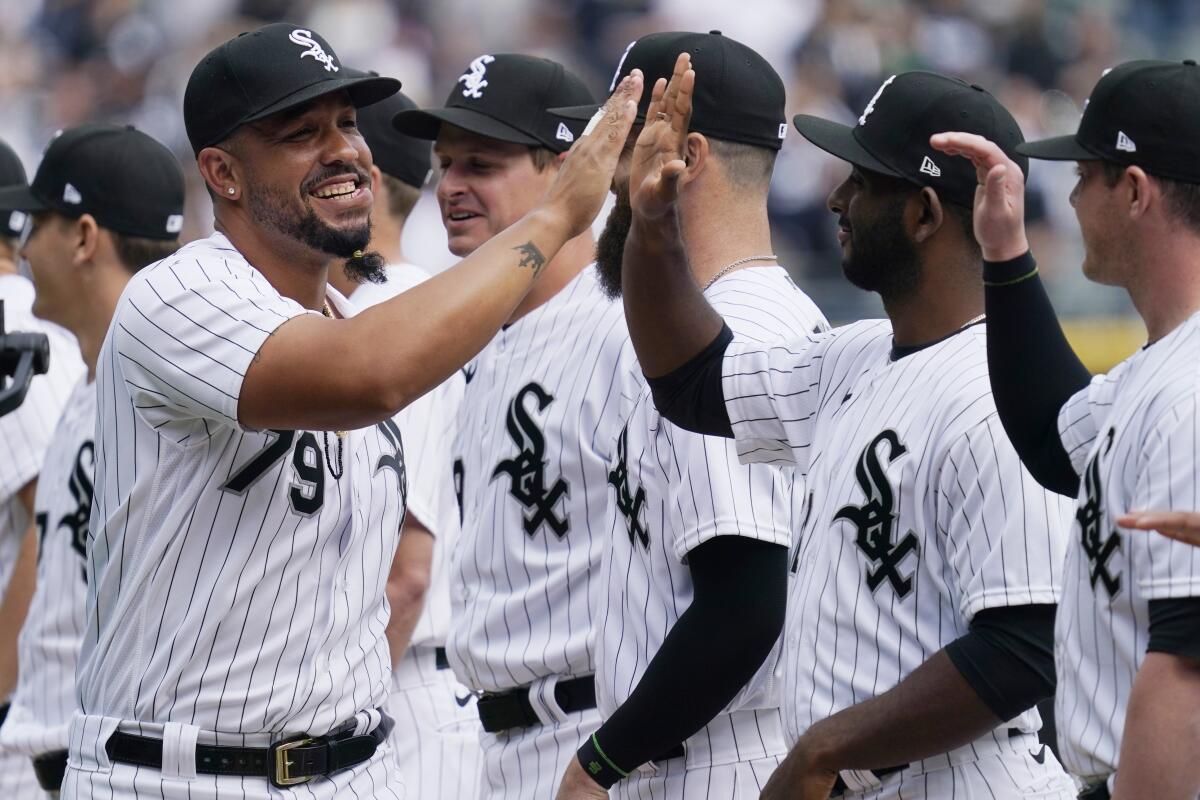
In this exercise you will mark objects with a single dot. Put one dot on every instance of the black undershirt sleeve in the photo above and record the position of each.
(691, 396)
(1175, 626)
(1033, 369)
(716, 646)
(1007, 656)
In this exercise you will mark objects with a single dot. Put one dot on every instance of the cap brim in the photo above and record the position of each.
(839, 140)
(425, 123)
(362, 91)
(1057, 148)
(579, 113)
(19, 197)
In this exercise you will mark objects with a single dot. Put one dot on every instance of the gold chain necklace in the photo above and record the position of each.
(738, 263)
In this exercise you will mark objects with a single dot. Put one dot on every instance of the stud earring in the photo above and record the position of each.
(232, 190)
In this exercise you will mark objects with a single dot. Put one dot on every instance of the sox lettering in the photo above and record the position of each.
(304, 39)
(527, 470)
(80, 487)
(1099, 548)
(394, 460)
(473, 80)
(629, 504)
(876, 519)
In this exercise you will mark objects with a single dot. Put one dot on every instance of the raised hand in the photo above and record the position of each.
(999, 197)
(658, 156)
(1182, 526)
(585, 177)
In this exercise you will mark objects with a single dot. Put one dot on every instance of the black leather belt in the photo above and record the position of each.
(50, 769)
(1097, 792)
(439, 658)
(502, 711)
(3, 713)
(287, 763)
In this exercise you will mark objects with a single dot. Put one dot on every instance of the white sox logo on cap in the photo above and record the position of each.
(620, 64)
(304, 38)
(473, 80)
(871, 105)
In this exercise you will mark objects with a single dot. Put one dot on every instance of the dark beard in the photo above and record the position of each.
(610, 247)
(269, 207)
(882, 259)
(366, 267)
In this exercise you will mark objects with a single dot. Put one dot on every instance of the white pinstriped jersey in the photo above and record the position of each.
(428, 425)
(236, 583)
(1134, 437)
(676, 490)
(919, 514)
(25, 432)
(542, 408)
(44, 701)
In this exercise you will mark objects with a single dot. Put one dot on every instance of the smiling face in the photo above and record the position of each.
(308, 175)
(1096, 201)
(47, 248)
(484, 185)
(877, 253)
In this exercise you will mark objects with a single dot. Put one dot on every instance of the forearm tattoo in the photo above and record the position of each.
(531, 257)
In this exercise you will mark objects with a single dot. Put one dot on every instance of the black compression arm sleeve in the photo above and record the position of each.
(691, 396)
(1175, 626)
(1008, 657)
(740, 587)
(1033, 369)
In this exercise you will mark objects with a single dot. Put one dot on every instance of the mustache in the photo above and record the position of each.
(326, 173)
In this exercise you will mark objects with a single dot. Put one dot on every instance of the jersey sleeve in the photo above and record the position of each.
(1077, 420)
(1168, 480)
(26, 431)
(183, 337)
(772, 394)
(712, 494)
(425, 430)
(1004, 536)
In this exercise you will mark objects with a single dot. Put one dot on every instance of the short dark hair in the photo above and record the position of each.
(748, 166)
(542, 157)
(401, 196)
(136, 252)
(965, 217)
(1183, 199)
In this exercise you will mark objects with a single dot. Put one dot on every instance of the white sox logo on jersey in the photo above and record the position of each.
(76, 522)
(527, 470)
(876, 518)
(473, 80)
(630, 504)
(395, 460)
(304, 38)
(1098, 547)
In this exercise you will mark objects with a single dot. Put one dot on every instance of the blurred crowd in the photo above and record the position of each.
(63, 62)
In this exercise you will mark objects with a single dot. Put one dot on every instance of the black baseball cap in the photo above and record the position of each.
(893, 132)
(506, 96)
(129, 182)
(12, 173)
(1145, 113)
(260, 73)
(403, 157)
(739, 97)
